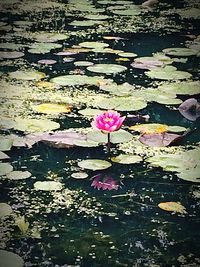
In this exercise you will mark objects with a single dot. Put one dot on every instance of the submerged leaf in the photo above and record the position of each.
(172, 206)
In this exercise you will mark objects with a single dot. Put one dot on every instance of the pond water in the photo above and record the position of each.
(98, 56)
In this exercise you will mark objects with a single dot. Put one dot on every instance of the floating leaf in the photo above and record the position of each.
(172, 206)
(34, 125)
(50, 108)
(127, 54)
(76, 80)
(190, 109)
(97, 17)
(149, 128)
(90, 112)
(27, 75)
(86, 143)
(10, 259)
(107, 68)
(50, 37)
(126, 159)
(179, 52)
(59, 139)
(127, 103)
(48, 185)
(3, 155)
(94, 164)
(5, 210)
(120, 136)
(85, 23)
(83, 63)
(168, 73)
(159, 139)
(18, 175)
(181, 88)
(5, 143)
(95, 45)
(79, 175)
(186, 164)
(5, 168)
(47, 61)
(11, 55)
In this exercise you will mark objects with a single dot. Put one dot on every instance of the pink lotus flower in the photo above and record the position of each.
(108, 183)
(108, 121)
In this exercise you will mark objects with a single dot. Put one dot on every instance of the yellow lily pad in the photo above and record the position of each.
(172, 206)
(50, 108)
(149, 128)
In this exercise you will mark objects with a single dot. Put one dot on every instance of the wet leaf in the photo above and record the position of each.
(107, 68)
(126, 159)
(172, 206)
(18, 175)
(5, 210)
(159, 139)
(94, 164)
(120, 136)
(190, 109)
(34, 125)
(5, 168)
(50, 108)
(48, 185)
(10, 259)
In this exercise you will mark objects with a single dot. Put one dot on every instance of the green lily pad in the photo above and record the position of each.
(18, 175)
(189, 12)
(127, 54)
(107, 68)
(76, 80)
(5, 210)
(49, 37)
(127, 159)
(122, 103)
(95, 45)
(48, 185)
(179, 51)
(34, 125)
(5, 143)
(168, 73)
(186, 164)
(27, 75)
(79, 175)
(43, 48)
(120, 136)
(10, 259)
(94, 164)
(181, 88)
(131, 10)
(89, 112)
(3, 155)
(124, 89)
(86, 143)
(96, 17)
(83, 63)
(5, 168)
(85, 23)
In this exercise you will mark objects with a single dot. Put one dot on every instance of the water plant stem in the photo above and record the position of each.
(108, 145)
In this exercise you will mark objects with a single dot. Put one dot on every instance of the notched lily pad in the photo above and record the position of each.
(94, 164)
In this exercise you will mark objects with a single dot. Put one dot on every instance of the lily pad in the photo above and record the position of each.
(94, 164)
(85, 23)
(48, 186)
(79, 175)
(127, 54)
(126, 159)
(5, 143)
(5, 168)
(50, 37)
(10, 259)
(50, 108)
(168, 73)
(83, 63)
(3, 155)
(120, 136)
(76, 80)
(172, 206)
(90, 112)
(34, 125)
(95, 45)
(47, 61)
(181, 88)
(121, 103)
(179, 51)
(190, 109)
(11, 55)
(149, 128)
(27, 75)
(5, 210)
(18, 175)
(107, 68)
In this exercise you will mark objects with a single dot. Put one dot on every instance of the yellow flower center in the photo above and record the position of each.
(108, 119)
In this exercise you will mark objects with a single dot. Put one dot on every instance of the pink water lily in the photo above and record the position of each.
(108, 183)
(108, 121)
